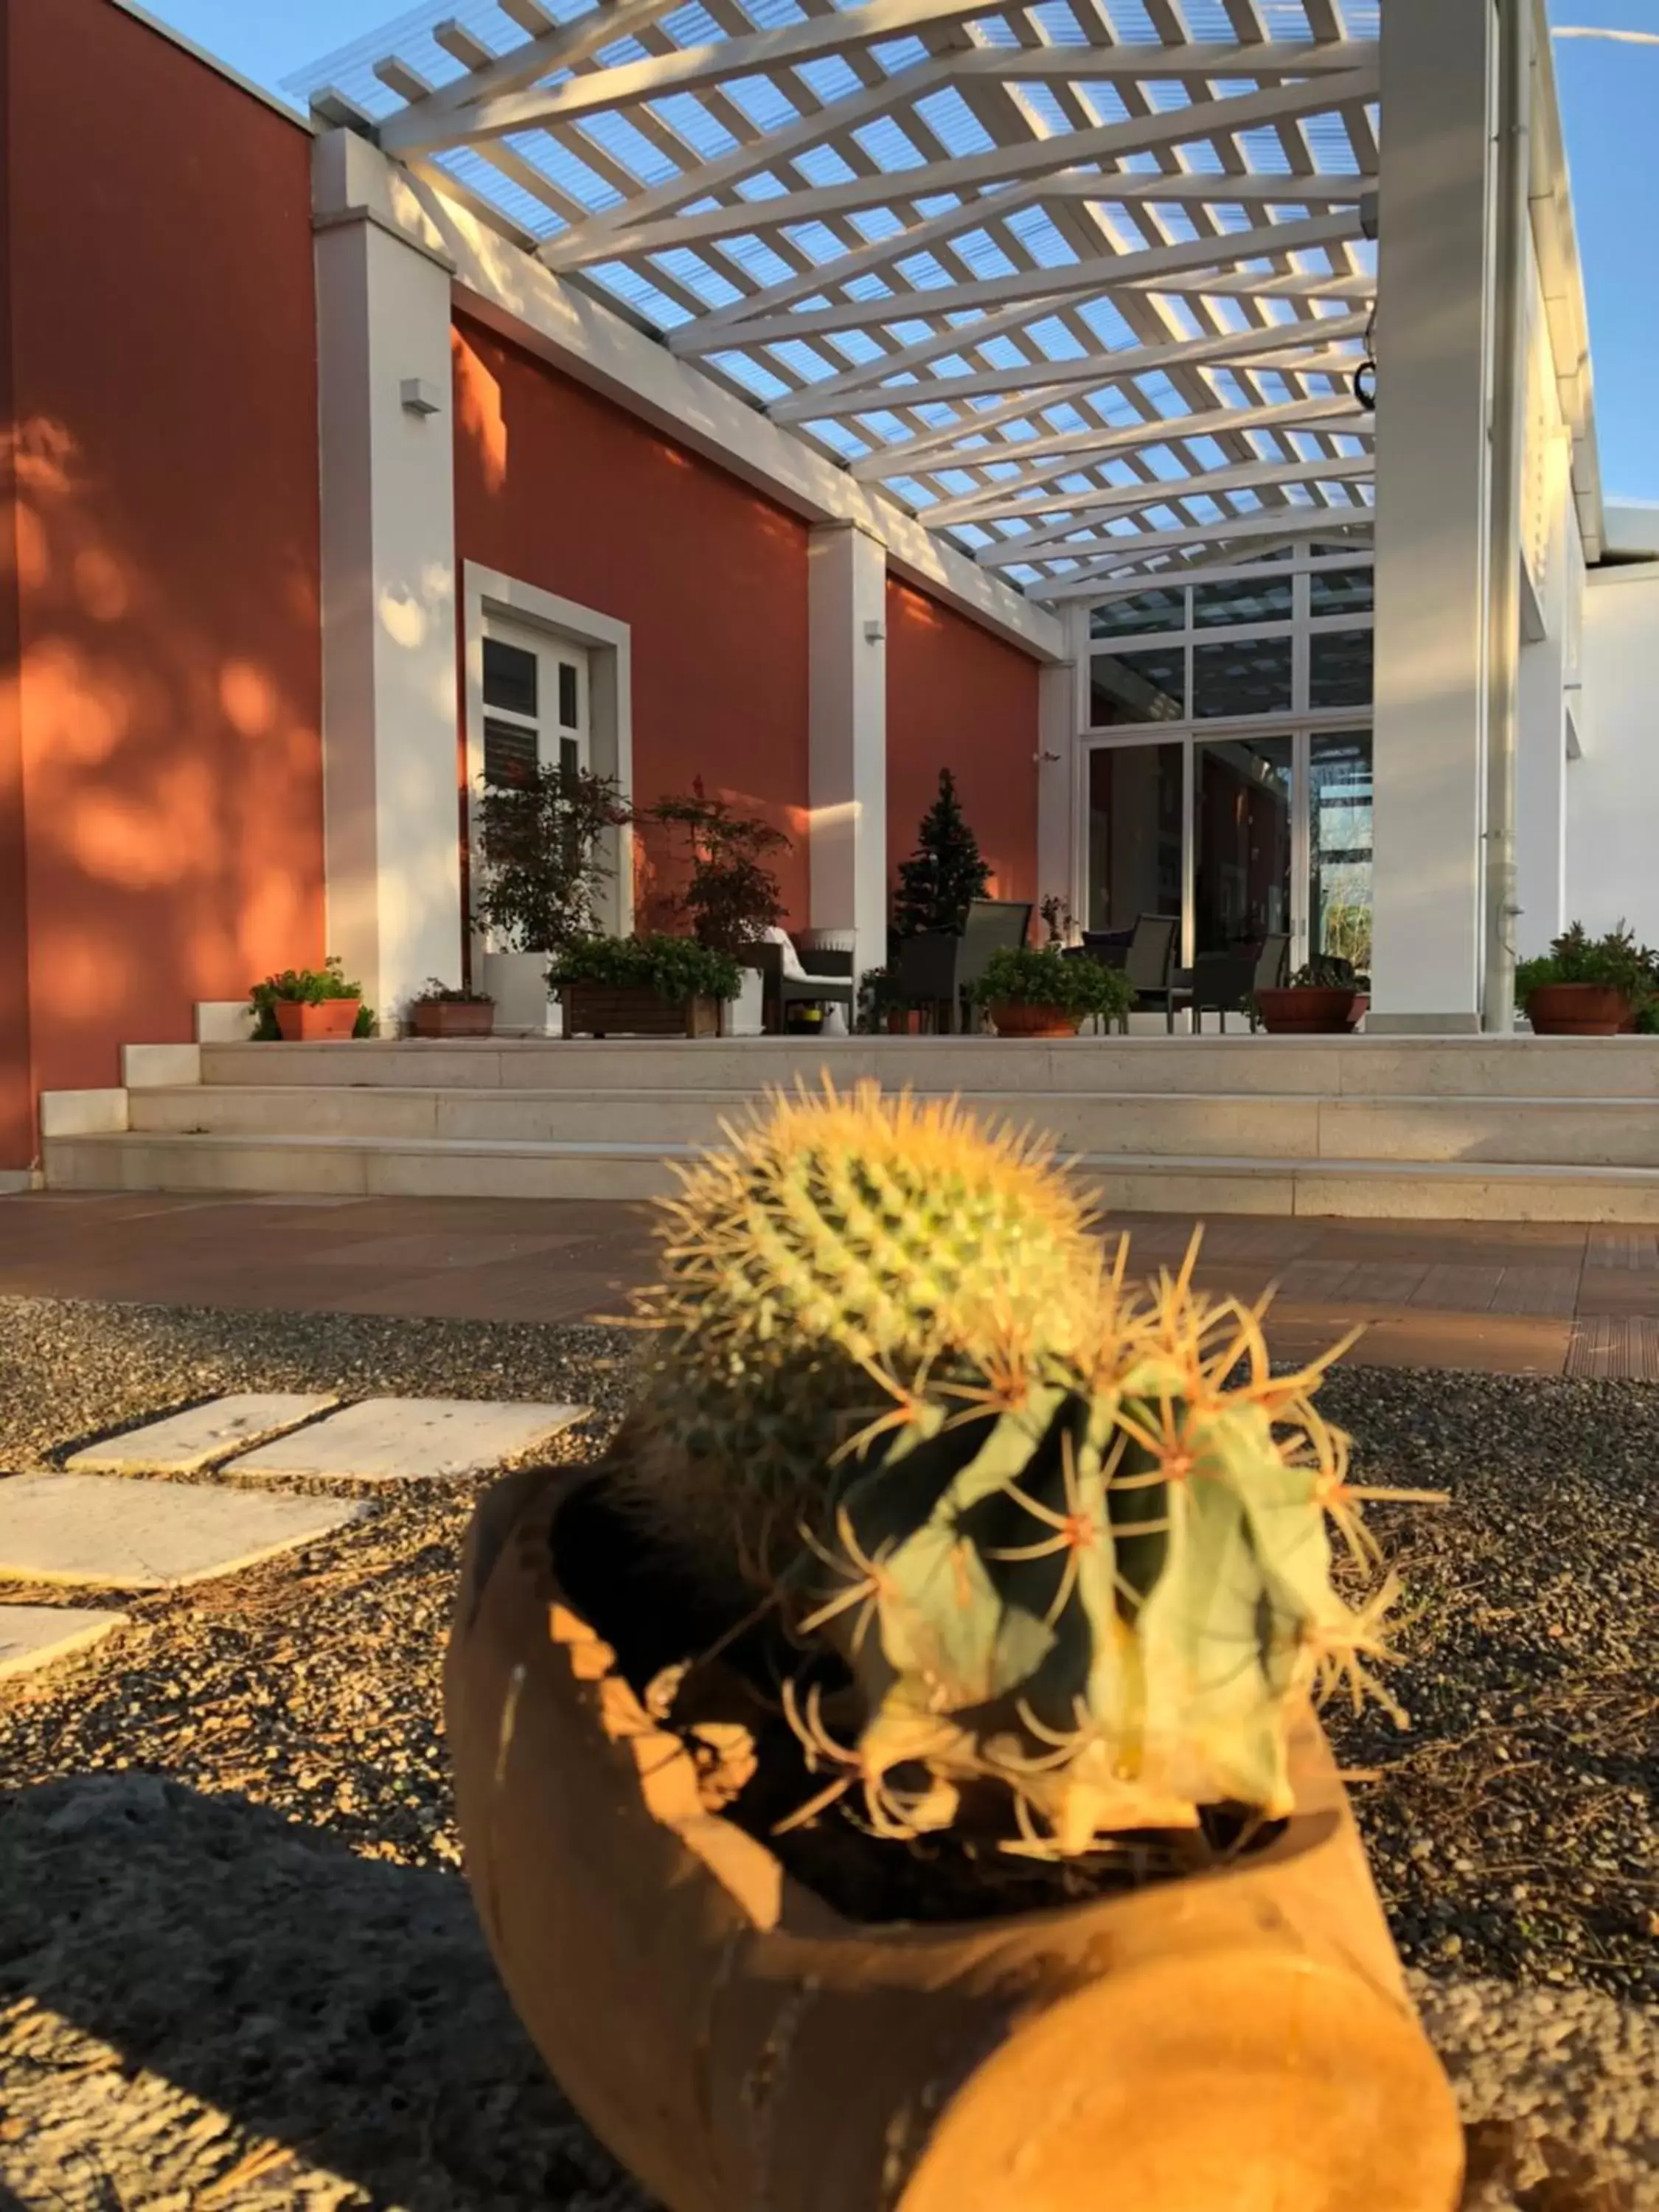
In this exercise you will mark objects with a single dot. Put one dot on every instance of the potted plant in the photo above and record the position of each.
(1324, 998)
(447, 1010)
(543, 847)
(655, 986)
(1586, 986)
(1058, 919)
(729, 901)
(889, 1781)
(310, 1006)
(1042, 992)
(881, 1008)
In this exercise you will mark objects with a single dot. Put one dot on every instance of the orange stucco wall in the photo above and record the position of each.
(557, 488)
(961, 699)
(159, 440)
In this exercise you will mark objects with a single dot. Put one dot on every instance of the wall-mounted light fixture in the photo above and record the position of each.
(420, 396)
(875, 633)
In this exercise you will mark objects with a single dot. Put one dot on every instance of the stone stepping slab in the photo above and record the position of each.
(33, 1635)
(411, 1440)
(100, 1529)
(187, 1442)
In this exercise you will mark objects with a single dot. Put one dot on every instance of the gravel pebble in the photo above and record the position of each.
(226, 1850)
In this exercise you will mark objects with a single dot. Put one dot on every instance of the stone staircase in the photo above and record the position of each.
(1521, 1129)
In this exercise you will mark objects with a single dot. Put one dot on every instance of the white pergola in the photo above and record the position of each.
(1082, 283)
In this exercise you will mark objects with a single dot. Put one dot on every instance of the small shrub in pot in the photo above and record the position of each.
(1324, 998)
(310, 1006)
(655, 984)
(450, 1010)
(1588, 987)
(1041, 991)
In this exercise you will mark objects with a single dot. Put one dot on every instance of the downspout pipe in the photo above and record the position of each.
(1512, 169)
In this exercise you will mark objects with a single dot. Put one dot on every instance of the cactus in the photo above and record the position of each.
(839, 1235)
(1099, 1580)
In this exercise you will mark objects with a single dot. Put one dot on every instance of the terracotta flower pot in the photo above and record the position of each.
(1300, 1010)
(451, 1018)
(1239, 2039)
(1577, 1010)
(323, 1023)
(1012, 1021)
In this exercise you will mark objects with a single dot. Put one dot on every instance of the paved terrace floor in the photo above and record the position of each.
(1539, 1298)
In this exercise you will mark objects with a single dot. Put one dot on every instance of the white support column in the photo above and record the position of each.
(847, 631)
(1548, 658)
(1058, 690)
(1433, 513)
(390, 686)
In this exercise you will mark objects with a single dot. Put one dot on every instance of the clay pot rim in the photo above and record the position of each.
(637, 1745)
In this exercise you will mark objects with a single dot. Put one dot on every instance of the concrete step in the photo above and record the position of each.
(1208, 1183)
(1535, 1132)
(1330, 1068)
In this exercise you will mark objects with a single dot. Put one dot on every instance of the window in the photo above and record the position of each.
(570, 694)
(1339, 847)
(510, 678)
(510, 752)
(1134, 834)
(1137, 687)
(1230, 606)
(1340, 591)
(1242, 675)
(1140, 614)
(1340, 668)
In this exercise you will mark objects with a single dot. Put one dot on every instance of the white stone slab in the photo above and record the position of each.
(33, 1635)
(187, 1442)
(412, 1440)
(103, 1529)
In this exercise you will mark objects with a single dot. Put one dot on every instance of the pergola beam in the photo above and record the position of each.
(1037, 287)
(1063, 451)
(835, 395)
(1286, 523)
(1165, 491)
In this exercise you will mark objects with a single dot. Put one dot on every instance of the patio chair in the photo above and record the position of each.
(1146, 956)
(1226, 983)
(786, 981)
(936, 967)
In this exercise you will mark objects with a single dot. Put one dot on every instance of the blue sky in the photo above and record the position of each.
(1609, 93)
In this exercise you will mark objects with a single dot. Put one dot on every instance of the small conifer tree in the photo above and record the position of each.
(945, 873)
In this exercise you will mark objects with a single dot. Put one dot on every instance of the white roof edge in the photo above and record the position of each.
(259, 91)
(520, 296)
(1555, 238)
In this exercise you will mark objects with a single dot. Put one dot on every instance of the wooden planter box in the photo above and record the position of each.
(451, 1018)
(602, 1009)
(301, 1022)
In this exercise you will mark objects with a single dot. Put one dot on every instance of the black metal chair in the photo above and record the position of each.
(936, 968)
(1146, 957)
(828, 980)
(1226, 983)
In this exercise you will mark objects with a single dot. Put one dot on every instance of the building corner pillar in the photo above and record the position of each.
(389, 586)
(847, 723)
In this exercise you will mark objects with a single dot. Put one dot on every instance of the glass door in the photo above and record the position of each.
(1244, 836)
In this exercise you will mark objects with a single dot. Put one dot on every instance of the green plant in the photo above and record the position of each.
(1615, 962)
(945, 873)
(540, 843)
(1326, 972)
(1056, 917)
(310, 987)
(835, 1232)
(1042, 975)
(676, 967)
(731, 898)
(1056, 1555)
(877, 998)
(435, 993)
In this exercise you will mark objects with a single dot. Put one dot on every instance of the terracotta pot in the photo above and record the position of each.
(1577, 1010)
(451, 1018)
(326, 1023)
(905, 1021)
(1300, 1010)
(604, 1009)
(1012, 1021)
(1241, 2039)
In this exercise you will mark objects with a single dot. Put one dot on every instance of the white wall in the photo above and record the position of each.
(1612, 791)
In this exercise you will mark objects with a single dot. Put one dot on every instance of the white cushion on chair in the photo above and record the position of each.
(792, 967)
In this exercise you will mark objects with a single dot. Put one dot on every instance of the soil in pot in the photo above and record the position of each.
(1577, 1010)
(1012, 1021)
(645, 1608)
(301, 1022)
(1302, 1011)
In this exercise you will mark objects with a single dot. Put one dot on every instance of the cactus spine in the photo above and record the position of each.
(1073, 1562)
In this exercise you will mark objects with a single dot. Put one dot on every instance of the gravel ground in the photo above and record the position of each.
(237, 1966)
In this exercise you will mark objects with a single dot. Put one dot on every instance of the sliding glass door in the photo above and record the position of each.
(1244, 835)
